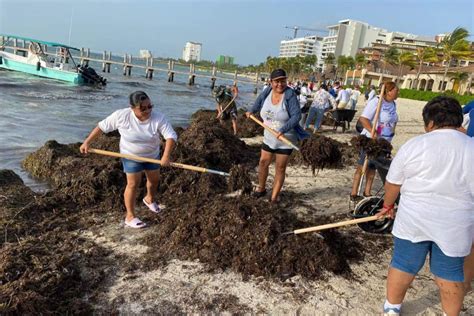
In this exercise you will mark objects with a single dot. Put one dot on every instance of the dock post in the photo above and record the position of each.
(109, 64)
(213, 78)
(15, 44)
(129, 71)
(255, 90)
(88, 54)
(191, 75)
(150, 69)
(125, 58)
(104, 57)
(170, 71)
(235, 78)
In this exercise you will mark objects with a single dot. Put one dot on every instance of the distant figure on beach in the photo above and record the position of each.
(354, 97)
(386, 124)
(226, 106)
(435, 216)
(322, 102)
(279, 108)
(140, 129)
(343, 97)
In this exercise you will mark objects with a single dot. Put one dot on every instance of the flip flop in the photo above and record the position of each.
(135, 223)
(154, 207)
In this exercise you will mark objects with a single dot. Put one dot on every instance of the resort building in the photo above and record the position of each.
(302, 46)
(192, 51)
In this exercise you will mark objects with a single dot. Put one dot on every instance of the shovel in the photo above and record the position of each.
(333, 225)
(275, 133)
(226, 107)
(172, 164)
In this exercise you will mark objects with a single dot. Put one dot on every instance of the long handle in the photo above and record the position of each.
(275, 133)
(372, 134)
(172, 164)
(220, 114)
(338, 224)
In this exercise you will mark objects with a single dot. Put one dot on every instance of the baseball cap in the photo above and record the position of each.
(277, 73)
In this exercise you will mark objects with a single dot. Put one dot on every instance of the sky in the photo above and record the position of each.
(248, 30)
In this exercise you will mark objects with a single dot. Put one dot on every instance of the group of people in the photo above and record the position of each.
(432, 172)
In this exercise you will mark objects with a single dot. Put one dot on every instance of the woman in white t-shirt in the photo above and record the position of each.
(434, 174)
(386, 123)
(140, 128)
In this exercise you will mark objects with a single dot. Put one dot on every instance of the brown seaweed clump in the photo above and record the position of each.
(246, 127)
(240, 179)
(239, 234)
(321, 152)
(374, 148)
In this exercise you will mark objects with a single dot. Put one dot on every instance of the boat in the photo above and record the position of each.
(33, 58)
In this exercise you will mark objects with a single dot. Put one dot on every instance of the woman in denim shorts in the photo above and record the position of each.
(140, 129)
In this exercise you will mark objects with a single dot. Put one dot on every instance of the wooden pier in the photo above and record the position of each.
(19, 47)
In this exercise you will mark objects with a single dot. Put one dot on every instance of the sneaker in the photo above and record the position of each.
(391, 311)
(258, 194)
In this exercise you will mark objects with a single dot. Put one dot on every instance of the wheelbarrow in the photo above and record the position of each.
(342, 118)
(371, 205)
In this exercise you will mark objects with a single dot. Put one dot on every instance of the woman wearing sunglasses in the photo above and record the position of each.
(140, 128)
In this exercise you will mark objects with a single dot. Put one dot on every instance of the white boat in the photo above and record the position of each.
(34, 60)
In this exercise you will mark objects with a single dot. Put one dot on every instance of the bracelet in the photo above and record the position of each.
(388, 207)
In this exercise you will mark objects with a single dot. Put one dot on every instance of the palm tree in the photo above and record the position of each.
(390, 56)
(454, 46)
(342, 64)
(424, 54)
(360, 60)
(329, 60)
(405, 59)
(459, 77)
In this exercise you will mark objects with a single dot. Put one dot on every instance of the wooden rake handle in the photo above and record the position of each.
(338, 224)
(275, 133)
(172, 164)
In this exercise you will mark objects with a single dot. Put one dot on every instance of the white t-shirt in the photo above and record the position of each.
(343, 96)
(137, 137)
(355, 95)
(387, 121)
(372, 94)
(436, 174)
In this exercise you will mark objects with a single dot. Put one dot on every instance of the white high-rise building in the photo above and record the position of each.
(348, 36)
(302, 46)
(192, 51)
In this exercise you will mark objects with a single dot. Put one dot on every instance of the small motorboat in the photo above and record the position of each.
(35, 60)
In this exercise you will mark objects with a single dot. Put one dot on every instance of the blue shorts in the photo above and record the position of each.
(132, 166)
(410, 257)
(361, 160)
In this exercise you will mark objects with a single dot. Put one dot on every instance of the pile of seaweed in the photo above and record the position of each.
(246, 127)
(45, 266)
(85, 179)
(246, 236)
(374, 148)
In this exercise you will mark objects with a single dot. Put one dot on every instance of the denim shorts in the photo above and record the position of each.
(132, 166)
(410, 257)
(361, 160)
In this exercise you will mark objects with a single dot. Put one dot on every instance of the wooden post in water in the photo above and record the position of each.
(125, 64)
(191, 75)
(109, 64)
(170, 71)
(235, 78)
(104, 64)
(149, 70)
(255, 90)
(129, 70)
(88, 54)
(213, 79)
(15, 44)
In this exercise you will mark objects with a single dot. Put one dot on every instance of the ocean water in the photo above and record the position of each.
(35, 110)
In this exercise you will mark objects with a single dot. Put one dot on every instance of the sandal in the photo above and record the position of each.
(154, 207)
(355, 197)
(259, 194)
(135, 223)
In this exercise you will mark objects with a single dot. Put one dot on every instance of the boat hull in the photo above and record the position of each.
(7, 63)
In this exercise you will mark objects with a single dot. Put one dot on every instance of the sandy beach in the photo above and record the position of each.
(189, 287)
(186, 286)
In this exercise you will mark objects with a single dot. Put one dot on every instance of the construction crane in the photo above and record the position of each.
(296, 28)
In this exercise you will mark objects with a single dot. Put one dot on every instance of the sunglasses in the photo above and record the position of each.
(146, 108)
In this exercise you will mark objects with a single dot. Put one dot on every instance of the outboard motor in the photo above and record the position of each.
(90, 76)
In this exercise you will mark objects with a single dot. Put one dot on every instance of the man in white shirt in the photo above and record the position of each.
(342, 99)
(435, 175)
(354, 97)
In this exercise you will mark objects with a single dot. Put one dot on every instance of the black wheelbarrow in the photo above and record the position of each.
(342, 118)
(371, 205)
